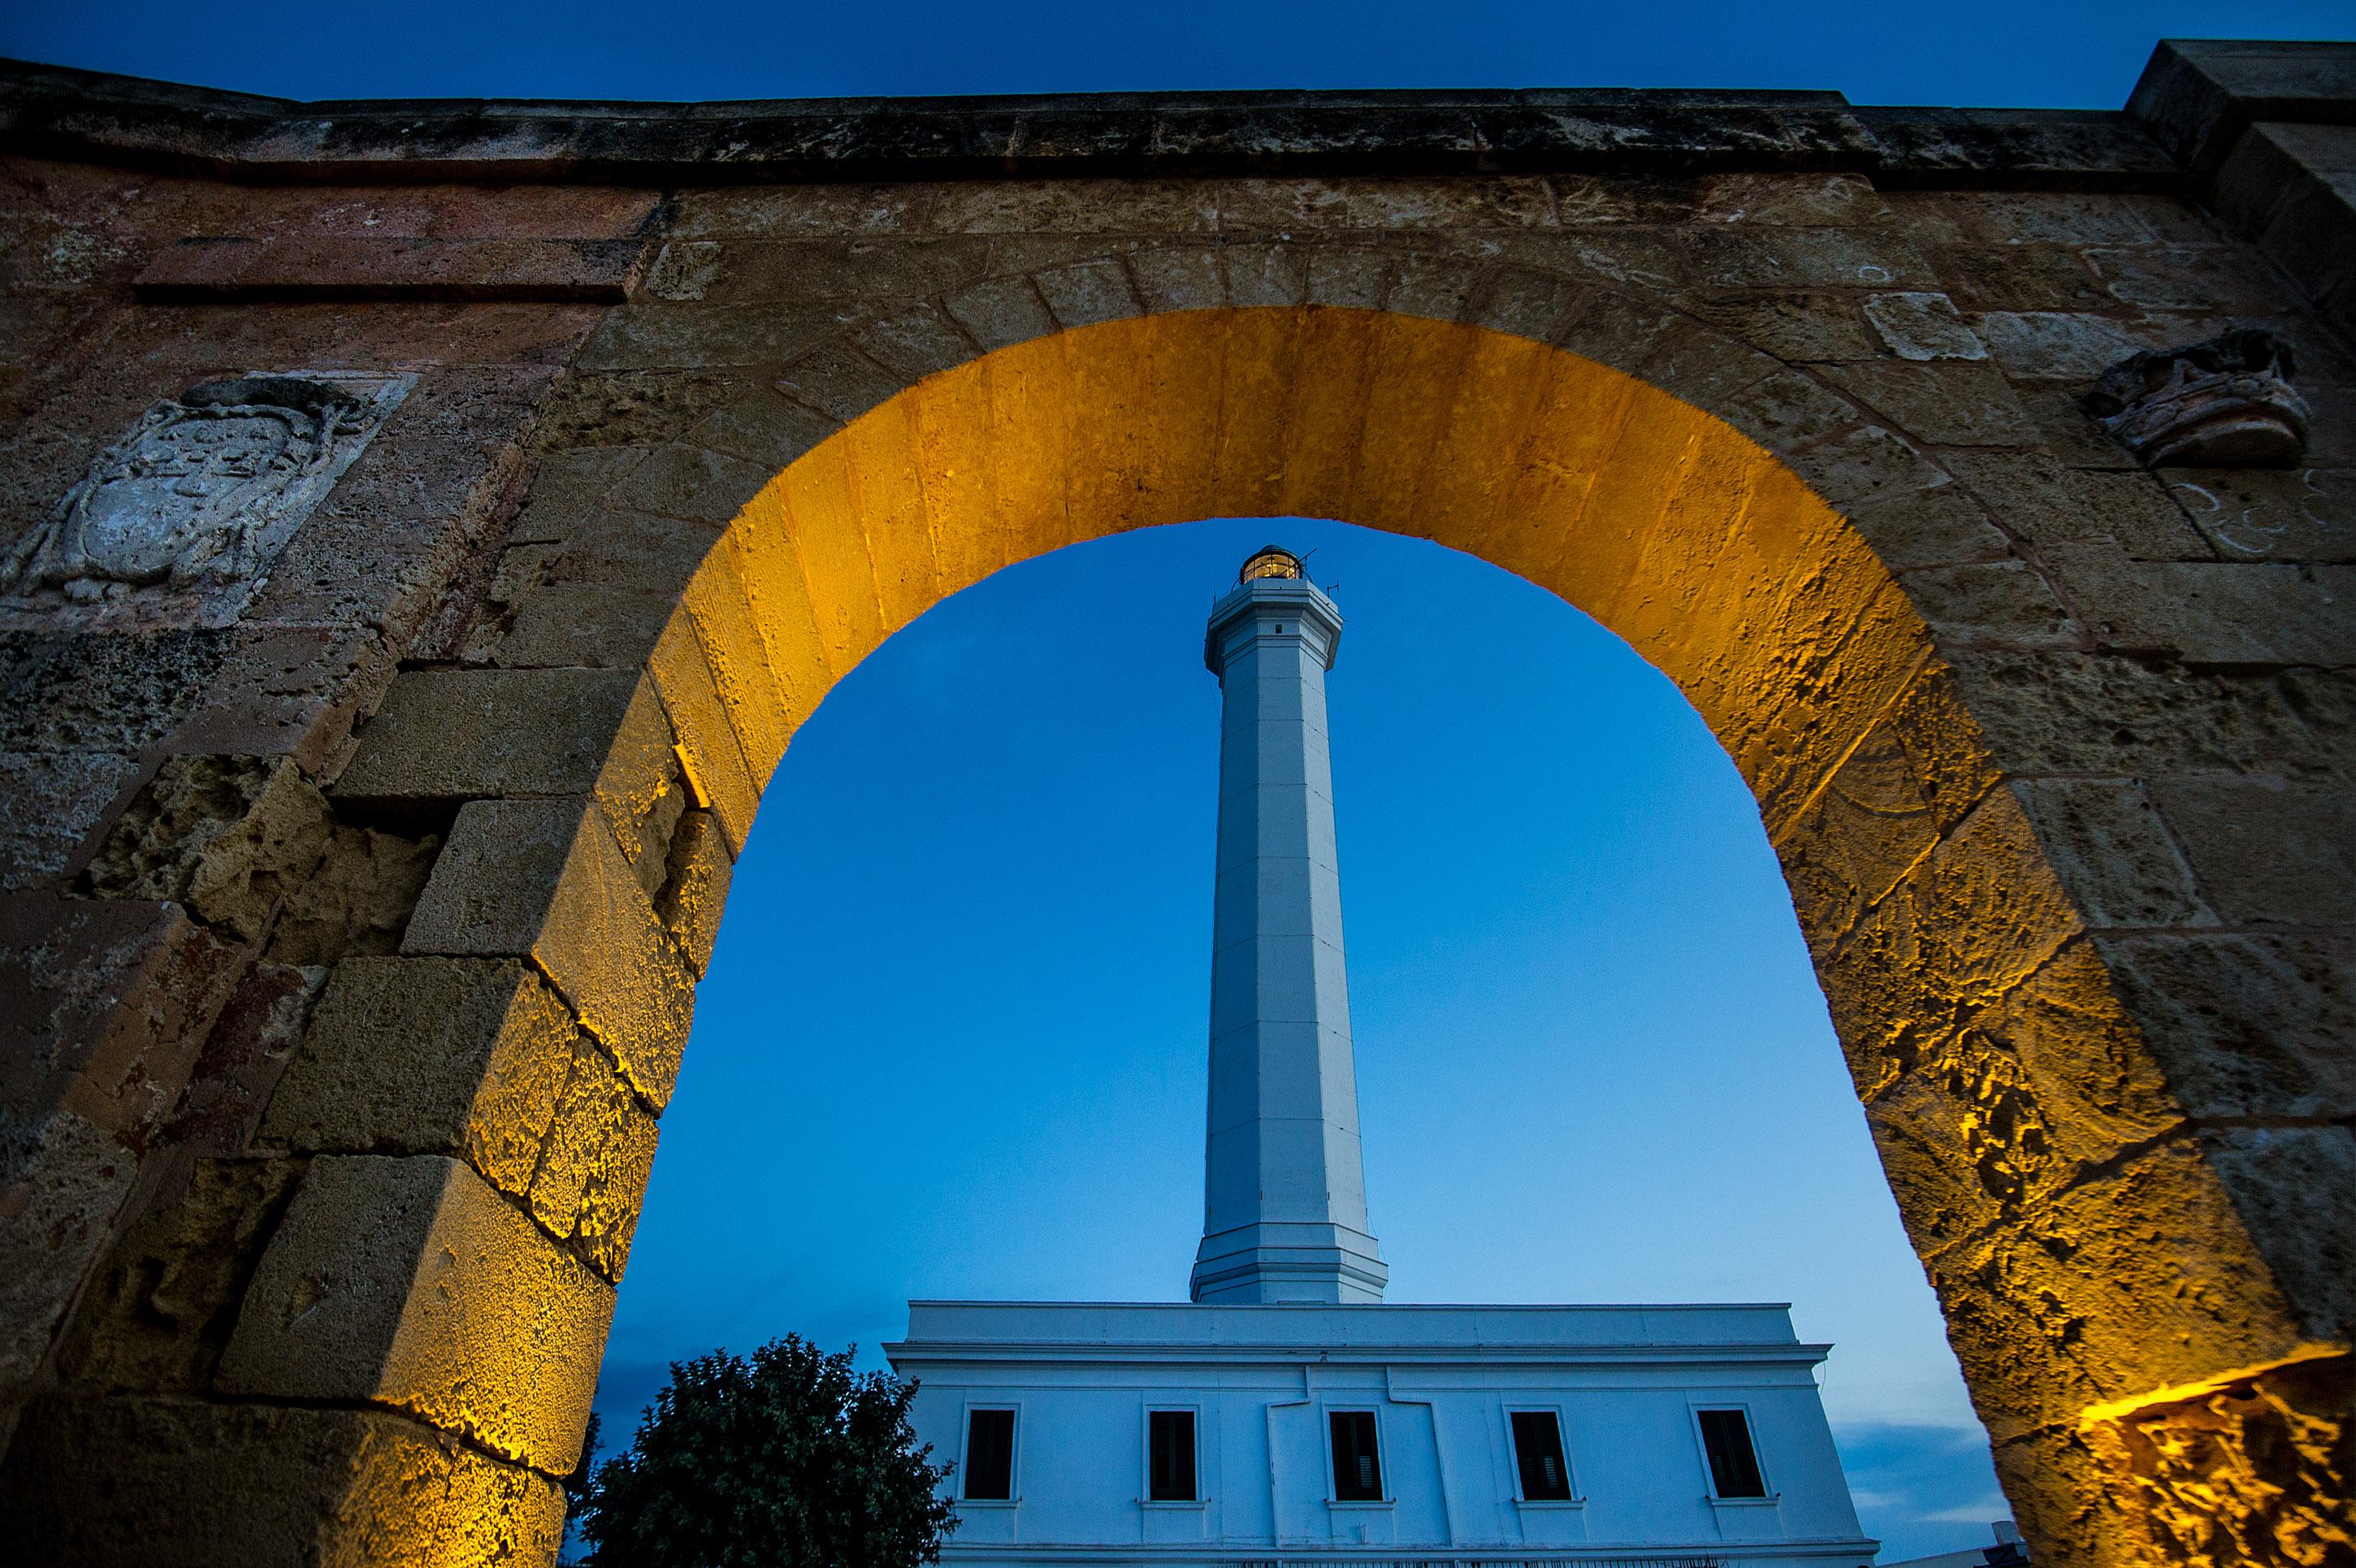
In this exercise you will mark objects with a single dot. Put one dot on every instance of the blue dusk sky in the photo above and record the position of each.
(952, 1044)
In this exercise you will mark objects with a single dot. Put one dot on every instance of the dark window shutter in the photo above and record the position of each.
(1357, 1465)
(1733, 1464)
(1170, 1442)
(1537, 1450)
(989, 1456)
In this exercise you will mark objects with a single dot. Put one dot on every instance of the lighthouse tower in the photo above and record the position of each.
(1284, 1194)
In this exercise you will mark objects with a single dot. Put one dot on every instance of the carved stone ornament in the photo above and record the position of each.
(2225, 404)
(181, 518)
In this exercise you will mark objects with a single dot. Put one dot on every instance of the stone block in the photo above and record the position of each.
(1805, 258)
(626, 407)
(2026, 276)
(1265, 274)
(1864, 465)
(1350, 279)
(293, 692)
(2112, 851)
(2040, 503)
(1263, 205)
(775, 211)
(1797, 326)
(739, 271)
(462, 1057)
(635, 550)
(1941, 525)
(2139, 1278)
(232, 1485)
(838, 381)
(765, 699)
(2244, 1024)
(568, 486)
(917, 342)
(2265, 851)
(1180, 277)
(662, 335)
(765, 428)
(2293, 1187)
(2074, 345)
(588, 626)
(356, 900)
(1944, 403)
(49, 804)
(522, 878)
(1075, 206)
(593, 1175)
(1087, 292)
(1922, 327)
(690, 483)
(1991, 603)
(1939, 221)
(412, 1285)
(453, 734)
(1001, 312)
(2256, 514)
(2211, 612)
(2112, 716)
(2187, 277)
(158, 1314)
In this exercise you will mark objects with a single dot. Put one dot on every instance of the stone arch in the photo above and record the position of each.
(477, 1114)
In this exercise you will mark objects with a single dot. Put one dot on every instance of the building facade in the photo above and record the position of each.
(1285, 1414)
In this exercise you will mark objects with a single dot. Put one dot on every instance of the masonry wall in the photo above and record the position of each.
(275, 895)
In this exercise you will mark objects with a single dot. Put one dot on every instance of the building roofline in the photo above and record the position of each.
(89, 116)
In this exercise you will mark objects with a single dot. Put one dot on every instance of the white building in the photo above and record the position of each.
(1285, 1415)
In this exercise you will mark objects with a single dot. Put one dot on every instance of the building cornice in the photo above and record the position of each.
(89, 116)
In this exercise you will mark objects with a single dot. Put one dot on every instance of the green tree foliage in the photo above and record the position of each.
(788, 1459)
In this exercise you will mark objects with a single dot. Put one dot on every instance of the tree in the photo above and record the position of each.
(785, 1460)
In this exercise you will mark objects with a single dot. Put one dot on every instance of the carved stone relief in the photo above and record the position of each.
(179, 522)
(2225, 404)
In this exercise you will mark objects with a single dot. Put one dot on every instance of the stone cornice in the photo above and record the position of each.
(57, 111)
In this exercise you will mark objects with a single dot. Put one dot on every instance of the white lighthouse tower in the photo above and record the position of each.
(1284, 1193)
(1286, 1416)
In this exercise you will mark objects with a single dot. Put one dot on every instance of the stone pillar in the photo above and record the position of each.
(1284, 1196)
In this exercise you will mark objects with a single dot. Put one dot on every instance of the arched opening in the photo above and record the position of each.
(1594, 1063)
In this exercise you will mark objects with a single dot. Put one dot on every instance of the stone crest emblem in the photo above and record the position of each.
(2225, 404)
(180, 520)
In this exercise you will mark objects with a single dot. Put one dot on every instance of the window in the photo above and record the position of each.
(1170, 1457)
(1357, 1468)
(1733, 1465)
(1537, 1447)
(989, 1456)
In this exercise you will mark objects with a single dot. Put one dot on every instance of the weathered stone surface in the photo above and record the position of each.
(1922, 327)
(2264, 851)
(2245, 1025)
(592, 1173)
(463, 1057)
(2040, 503)
(2282, 1179)
(540, 879)
(2211, 612)
(160, 1312)
(1945, 403)
(2113, 851)
(695, 887)
(2251, 514)
(2249, 1469)
(228, 836)
(412, 1285)
(1991, 603)
(49, 801)
(230, 1485)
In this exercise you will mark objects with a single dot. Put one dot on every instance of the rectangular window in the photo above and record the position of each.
(1733, 1465)
(1170, 1456)
(1357, 1467)
(989, 1456)
(1537, 1448)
